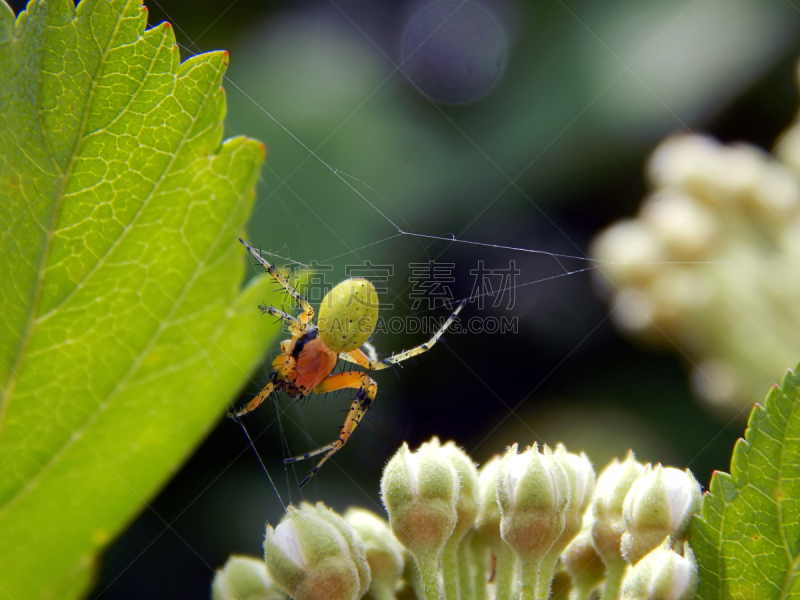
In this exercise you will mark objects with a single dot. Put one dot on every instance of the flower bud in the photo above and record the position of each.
(310, 558)
(533, 494)
(662, 575)
(467, 506)
(581, 561)
(659, 504)
(245, 578)
(581, 478)
(687, 228)
(354, 542)
(609, 498)
(420, 492)
(488, 522)
(627, 251)
(384, 553)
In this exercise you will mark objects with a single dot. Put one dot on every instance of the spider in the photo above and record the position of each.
(347, 318)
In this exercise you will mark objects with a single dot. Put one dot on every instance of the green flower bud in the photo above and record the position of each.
(354, 542)
(245, 578)
(609, 498)
(310, 558)
(582, 562)
(581, 478)
(533, 494)
(662, 575)
(420, 492)
(384, 553)
(488, 522)
(468, 506)
(659, 504)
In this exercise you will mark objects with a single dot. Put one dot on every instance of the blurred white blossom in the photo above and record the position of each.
(708, 266)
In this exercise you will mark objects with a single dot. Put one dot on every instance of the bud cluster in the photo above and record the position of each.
(717, 238)
(510, 529)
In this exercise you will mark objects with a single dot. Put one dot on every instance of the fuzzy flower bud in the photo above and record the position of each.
(311, 559)
(467, 506)
(354, 542)
(609, 498)
(582, 479)
(581, 561)
(659, 504)
(245, 578)
(420, 492)
(488, 523)
(533, 494)
(384, 553)
(662, 575)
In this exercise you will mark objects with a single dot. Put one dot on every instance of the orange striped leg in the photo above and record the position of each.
(308, 311)
(364, 359)
(367, 389)
(255, 402)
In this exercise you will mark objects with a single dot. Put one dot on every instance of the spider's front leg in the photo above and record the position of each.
(255, 402)
(308, 311)
(367, 389)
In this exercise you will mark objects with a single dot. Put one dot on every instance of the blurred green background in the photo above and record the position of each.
(534, 137)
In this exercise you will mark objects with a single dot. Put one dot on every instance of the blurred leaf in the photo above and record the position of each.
(122, 334)
(748, 541)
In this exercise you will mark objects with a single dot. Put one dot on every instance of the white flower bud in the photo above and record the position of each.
(581, 561)
(581, 478)
(680, 160)
(384, 553)
(662, 575)
(420, 492)
(311, 559)
(627, 251)
(687, 228)
(245, 578)
(533, 494)
(609, 497)
(488, 522)
(659, 504)
(467, 506)
(354, 542)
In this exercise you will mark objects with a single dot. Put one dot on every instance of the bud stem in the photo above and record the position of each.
(546, 568)
(479, 558)
(530, 573)
(381, 592)
(615, 571)
(465, 568)
(429, 575)
(506, 561)
(450, 569)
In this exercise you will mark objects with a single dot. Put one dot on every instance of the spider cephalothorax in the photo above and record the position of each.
(347, 318)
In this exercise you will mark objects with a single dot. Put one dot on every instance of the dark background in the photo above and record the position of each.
(564, 119)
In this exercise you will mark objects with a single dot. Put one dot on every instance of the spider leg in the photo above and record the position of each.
(296, 326)
(308, 311)
(365, 360)
(255, 402)
(367, 389)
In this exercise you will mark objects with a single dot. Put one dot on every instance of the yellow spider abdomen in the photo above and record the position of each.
(348, 315)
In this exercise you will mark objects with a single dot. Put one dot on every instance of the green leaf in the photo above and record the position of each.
(747, 542)
(123, 332)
